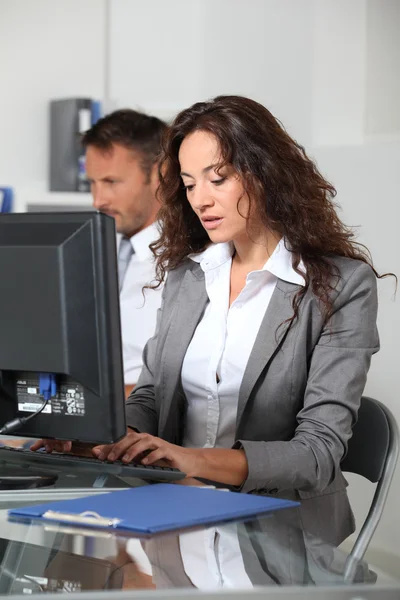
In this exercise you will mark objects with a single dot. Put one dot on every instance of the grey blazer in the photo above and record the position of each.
(299, 395)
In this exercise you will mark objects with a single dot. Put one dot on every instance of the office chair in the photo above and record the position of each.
(372, 452)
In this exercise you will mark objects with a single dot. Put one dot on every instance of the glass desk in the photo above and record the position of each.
(270, 555)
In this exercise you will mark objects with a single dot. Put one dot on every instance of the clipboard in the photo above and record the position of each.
(154, 509)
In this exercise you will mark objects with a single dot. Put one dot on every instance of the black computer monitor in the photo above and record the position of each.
(59, 314)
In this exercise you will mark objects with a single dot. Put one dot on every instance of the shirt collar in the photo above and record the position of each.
(142, 240)
(279, 263)
(213, 256)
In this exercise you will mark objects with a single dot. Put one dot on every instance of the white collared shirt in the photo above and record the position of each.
(138, 308)
(221, 346)
(217, 356)
(212, 558)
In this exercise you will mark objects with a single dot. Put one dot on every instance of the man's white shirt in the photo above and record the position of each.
(138, 306)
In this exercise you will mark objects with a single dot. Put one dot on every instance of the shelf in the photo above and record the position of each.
(60, 198)
(37, 196)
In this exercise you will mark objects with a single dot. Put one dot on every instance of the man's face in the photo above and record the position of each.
(121, 189)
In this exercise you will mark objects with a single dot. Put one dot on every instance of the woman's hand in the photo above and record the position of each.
(151, 450)
(76, 448)
(216, 464)
(52, 445)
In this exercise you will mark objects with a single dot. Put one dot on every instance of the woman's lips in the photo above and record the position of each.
(212, 223)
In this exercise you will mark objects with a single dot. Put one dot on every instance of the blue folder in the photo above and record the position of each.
(155, 508)
(6, 199)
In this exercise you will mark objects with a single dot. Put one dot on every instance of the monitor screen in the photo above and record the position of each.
(59, 315)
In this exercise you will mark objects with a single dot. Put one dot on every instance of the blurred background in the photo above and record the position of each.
(328, 69)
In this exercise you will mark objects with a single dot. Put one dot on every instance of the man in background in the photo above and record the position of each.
(122, 151)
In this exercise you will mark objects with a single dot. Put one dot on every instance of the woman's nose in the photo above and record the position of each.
(201, 198)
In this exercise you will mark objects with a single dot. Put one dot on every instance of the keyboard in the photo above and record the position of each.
(27, 458)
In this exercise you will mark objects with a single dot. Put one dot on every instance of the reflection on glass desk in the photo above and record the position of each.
(269, 551)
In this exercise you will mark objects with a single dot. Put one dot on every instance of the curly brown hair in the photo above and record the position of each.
(293, 199)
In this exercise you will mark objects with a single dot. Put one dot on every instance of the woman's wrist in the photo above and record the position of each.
(199, 462)
(222, 465)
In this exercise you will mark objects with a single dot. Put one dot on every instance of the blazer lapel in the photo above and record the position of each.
(269, 339)
(191, 302)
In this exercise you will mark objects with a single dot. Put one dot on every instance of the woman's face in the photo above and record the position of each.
(216, 196)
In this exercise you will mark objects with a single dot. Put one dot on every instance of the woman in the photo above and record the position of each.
(268, 322)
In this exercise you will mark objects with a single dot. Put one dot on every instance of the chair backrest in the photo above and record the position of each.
(369, 444)
(372, 452)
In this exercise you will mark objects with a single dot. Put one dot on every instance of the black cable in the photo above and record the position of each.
(20, 421)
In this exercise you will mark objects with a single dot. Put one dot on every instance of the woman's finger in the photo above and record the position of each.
(57, 446)
(142, 446)
(115, 451)
(38, 444)
(52, 445)
(156, 455)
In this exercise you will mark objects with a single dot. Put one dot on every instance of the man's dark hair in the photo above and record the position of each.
(131, 129)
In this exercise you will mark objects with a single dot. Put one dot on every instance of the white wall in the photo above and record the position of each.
(368, 179)
(339, 71)
(48, 49)
(356, 142)
(329, 69)
(383, 74)
(167, 55)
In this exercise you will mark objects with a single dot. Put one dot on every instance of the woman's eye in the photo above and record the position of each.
(219, 181)
(189, 188)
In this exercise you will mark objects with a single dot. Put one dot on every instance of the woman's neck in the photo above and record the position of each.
(252, 254)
